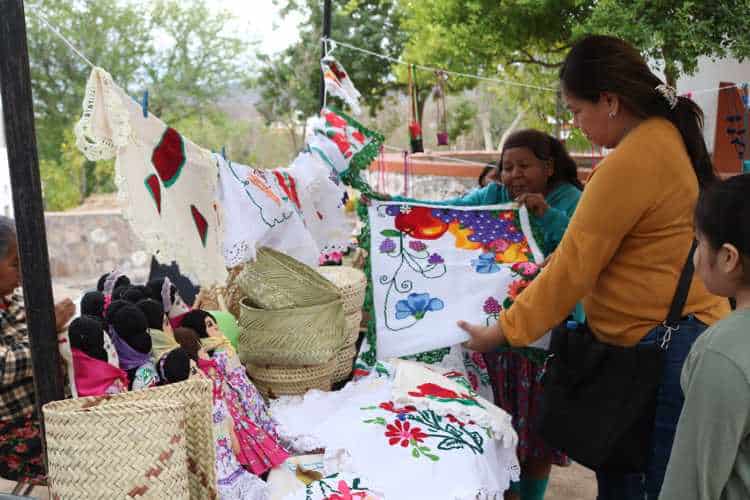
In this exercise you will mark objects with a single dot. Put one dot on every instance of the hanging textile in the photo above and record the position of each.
(338, 83)
(441, 108)
(165, 182)
(415, 129)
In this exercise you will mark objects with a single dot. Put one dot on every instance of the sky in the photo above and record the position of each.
(261, 22)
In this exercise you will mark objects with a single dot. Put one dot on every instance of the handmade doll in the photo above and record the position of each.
(92, 304)
(235, 483)
(162, 336)
(109, 281)
(164, 291)
(93, 374)
(216, 344)
(133, 294)
(255, 449)
(129, 332)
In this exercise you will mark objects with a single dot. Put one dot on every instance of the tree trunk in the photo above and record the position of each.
(484, 123)
(511, 128)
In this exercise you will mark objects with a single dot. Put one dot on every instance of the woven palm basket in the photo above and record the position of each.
(300, 336)
(276, 281)
(274, 381)
(132, 449)
(195, 396)
(352, 284)
(351, 328)
(344, 363)
(233, 293)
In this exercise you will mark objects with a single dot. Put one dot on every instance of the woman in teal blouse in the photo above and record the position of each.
(537, 171)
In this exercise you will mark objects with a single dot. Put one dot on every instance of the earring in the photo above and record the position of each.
(612, 114)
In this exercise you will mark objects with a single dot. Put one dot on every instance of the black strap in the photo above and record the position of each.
(683, 288)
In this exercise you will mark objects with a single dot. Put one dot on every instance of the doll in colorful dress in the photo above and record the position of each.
(235, 483)
(256, 450)
(159, 328)
(129, 333)
(94, 376)
(164, 291)
(221, 351)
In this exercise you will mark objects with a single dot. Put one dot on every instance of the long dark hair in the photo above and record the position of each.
(601, 63)
(722, 215)
(546, 148)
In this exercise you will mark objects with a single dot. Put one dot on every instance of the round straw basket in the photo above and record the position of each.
(233, 293)
(351, 330)
(300, 336)
(274, 381)
(132, 449)
(351, 282)
(195, 396)
(344, 363)
(277, 281)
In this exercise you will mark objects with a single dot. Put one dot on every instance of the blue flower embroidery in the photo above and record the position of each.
(486, 264)
(417, 305)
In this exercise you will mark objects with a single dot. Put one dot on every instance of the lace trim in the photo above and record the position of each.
(105, 124)
(246, 487)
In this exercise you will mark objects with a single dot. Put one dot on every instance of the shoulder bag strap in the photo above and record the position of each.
(683, 288)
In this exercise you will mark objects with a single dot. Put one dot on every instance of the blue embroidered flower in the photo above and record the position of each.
(485, 264)
(417, 305)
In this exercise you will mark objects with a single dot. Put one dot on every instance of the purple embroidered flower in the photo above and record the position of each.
(387, 246)
(417, 246)
(491, 306)
(436, 259)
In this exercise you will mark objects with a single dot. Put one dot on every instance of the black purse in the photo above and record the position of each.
(599, 400)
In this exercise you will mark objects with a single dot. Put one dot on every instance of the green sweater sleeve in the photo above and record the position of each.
(711, 429)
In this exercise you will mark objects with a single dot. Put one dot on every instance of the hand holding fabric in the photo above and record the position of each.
(483, 338)
(64, 312)
(535, 202)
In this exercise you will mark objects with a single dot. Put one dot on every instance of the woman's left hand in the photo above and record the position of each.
(483, 338)
(534, 202)
(64, 312)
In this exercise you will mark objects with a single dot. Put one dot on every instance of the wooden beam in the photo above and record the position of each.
(23, 162)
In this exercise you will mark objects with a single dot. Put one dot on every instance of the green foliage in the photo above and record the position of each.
(675, 33)
(289, 82)
(63, 180)
(178, 50)
(461, 118)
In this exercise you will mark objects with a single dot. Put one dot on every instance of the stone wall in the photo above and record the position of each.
(87, 244)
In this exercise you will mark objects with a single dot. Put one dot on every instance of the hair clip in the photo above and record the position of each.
(669, 94)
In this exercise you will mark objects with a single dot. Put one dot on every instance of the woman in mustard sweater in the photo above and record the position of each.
(630, 236)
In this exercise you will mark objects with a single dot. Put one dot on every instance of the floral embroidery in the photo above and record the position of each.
(404, 434)
(415, 429)
(387, 246)
(485, 264)
(431, 357)
(443, 395)
(476, 370)
(516, 287)
(330, 489)
(417, 305)
(169, 157)
(435, 259)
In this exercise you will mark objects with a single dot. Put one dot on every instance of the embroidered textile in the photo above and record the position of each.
(432, 266)
(165, 182)
(94, 377)
(337, 486)
(339, 84)
(406, 451)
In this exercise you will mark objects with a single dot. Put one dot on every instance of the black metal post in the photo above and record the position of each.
(18, 113)
(326, 34)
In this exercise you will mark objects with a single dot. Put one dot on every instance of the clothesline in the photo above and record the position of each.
(495, 80)
(35, 11)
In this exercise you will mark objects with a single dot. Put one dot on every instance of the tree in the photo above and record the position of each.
(289, 81)
(179, 51)
(675, 33)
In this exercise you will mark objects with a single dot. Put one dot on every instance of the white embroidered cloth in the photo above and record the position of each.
(407, 452)
(339, 84)
(165, 182)
(434, 265)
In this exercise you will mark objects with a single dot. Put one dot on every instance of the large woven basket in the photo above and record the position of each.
(298, 336)
(276, 281)
(233, 293)
(351, 328)
(196, 397)
(274, 381)
(132, 449)
(344, 363)
(352, 283)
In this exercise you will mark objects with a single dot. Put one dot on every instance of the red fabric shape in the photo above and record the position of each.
(154, 188)
(94, 377)
(419, 223)
(289, 187)
(200, 224)
(169, 157)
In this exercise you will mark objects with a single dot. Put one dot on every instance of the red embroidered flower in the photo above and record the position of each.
(389, 406)
(335, 120)
(478, 360)
(426, 390)
(12, 462)
(419, 223)
(345, 493)
(515, 288)
(403, 432)
(21, 448)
